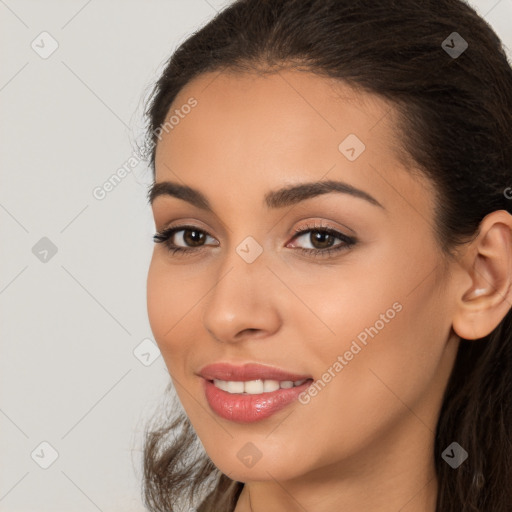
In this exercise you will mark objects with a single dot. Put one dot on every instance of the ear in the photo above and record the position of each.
(487, 266)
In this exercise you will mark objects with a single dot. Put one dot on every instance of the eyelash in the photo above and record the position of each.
(348, 241)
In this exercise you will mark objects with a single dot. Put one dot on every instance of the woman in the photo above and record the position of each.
(331, 286)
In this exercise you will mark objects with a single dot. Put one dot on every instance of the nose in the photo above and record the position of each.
(242, 303)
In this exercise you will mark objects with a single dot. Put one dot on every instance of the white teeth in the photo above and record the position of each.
(270, 385)
(233, 386)
(255, 387)
(221, 384)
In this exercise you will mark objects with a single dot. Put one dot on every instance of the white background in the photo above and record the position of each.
(68, 374)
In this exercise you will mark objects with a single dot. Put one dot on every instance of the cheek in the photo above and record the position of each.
(384, 354)
(169, 300)
(159, 301)
(383, 362)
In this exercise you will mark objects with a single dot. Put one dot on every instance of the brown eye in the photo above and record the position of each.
(182, 239)
(193, 237)
(321, 239)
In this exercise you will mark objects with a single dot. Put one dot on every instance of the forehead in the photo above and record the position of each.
(253, 132)
(284, 107)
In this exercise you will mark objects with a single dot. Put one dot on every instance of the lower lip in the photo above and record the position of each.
(245, 408)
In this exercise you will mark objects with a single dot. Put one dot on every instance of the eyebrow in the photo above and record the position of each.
(280, 198)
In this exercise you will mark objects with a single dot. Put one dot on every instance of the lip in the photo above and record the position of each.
(246, 408)
(248, 371)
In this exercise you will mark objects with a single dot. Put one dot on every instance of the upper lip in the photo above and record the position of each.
(248, 371)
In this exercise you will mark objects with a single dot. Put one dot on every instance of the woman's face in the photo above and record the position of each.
(363, 311)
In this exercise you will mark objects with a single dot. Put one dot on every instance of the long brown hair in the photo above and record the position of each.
(455, 123)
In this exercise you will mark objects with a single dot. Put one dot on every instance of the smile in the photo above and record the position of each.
(250, 392)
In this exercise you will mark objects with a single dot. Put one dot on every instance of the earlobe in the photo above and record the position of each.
(488, 263)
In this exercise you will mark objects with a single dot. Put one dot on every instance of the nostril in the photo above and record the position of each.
(247, 331)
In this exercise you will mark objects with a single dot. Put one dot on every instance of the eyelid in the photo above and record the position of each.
(322, 224)
(170, 231)
(312, 225)
(348, 240)
(303, 228)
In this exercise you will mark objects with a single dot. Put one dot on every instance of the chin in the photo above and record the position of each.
(244, 467)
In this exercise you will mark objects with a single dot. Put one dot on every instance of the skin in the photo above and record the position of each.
(366, 441)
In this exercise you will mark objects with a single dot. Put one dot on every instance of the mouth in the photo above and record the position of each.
(252, 392)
